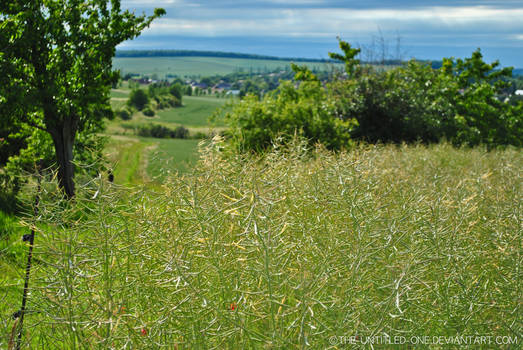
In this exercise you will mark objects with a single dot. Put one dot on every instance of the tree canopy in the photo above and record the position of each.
(56, 67)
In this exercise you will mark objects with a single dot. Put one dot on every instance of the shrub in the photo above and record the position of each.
(305, 110)
(176, 90)
(160, 131)
(138, 98)
(124, 113)
(180, 133)
(406, 104)
(148, 111)
(459, 102)
(167, 101)
(199, 135)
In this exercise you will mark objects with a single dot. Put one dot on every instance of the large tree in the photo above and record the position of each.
(56, 67)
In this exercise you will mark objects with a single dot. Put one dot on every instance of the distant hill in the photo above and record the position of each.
(195, 53)
(193, 62)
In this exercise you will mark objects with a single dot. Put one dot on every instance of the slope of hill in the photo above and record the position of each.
(205, 66)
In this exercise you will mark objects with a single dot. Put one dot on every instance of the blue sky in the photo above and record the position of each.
(308, 28)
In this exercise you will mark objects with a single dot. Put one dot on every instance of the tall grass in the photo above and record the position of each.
(285, 251)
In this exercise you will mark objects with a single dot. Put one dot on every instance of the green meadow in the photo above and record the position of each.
(195, 112)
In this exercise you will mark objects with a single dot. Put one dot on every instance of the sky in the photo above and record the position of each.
(309, 28)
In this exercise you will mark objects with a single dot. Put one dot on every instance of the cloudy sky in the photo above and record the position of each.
(308, 28)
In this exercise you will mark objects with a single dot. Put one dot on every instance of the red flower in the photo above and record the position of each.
(233, 306)
(144, 332)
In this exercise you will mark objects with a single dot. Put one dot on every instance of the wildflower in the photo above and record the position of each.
(144, 332)
(233, 306)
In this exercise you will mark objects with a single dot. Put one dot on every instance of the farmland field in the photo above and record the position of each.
(195, 112)
(285, 251)
(202, 66)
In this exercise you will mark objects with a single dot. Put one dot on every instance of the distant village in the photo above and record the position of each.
(234, 84)
(239, 84)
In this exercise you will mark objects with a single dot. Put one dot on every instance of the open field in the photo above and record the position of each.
(287, 251)
(142, 160)
(202, 66)
(194, 113)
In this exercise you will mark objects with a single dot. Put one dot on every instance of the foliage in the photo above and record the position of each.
(284, 252)
(167, 101)
(160, 131)
(348, 57)
(306, 111)
(303, 73)
(148, 111)
(165, 95)
(407, 104)
(462, 102)
(480, 114)
(56, 67)
(177, 91)
(138, 99)
(124, 113)
(12, 140)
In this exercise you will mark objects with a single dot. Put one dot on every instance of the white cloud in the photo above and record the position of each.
(331, 22)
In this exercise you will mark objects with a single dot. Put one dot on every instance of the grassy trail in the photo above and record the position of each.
(129, 157)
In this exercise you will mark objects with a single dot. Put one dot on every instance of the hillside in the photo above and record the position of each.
(190, 66)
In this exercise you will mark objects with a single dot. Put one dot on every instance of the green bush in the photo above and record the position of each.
(167, 101)
(148, 111)
(124, 113)
(176, 90)
(180, 133)
(160, 131)
(305, 110)
(138, 98)
(406, 104)
(461, 102)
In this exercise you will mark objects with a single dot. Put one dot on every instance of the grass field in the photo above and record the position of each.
(170, 156)
(201, 66)
(194, 113)
(120, 93)
(142, 160)
(293, 250)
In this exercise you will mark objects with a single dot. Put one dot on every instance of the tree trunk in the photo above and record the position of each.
(63, 138)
